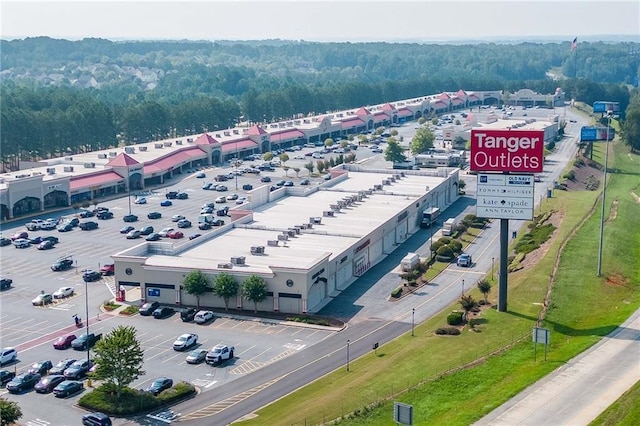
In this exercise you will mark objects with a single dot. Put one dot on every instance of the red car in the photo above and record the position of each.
(175, 235)
(19, 235)
(108, 269)
(64, 342)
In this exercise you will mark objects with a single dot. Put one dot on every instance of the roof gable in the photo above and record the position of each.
(123, 160)
(256, 130)
(205, 139)
(363, 111)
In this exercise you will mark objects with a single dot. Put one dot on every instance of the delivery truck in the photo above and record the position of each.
(449, 227)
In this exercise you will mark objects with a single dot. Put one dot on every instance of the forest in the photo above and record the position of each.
(62, 96)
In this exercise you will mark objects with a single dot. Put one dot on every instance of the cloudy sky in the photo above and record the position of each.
(320, 20)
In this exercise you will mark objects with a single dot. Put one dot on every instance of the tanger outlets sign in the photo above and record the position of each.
(520, 151)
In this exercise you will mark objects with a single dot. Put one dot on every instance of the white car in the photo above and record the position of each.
(21, 243)
(165, 232)
(185, 341)
(42, 299)
(299, 157)
(203, 317)
(232, 197)
(141, 200)
(63, 292)
(8, 355)
(317, 155)
(241, 200)
(221, 199)
(177, 217)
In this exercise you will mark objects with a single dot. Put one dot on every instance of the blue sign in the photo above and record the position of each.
(591, 133)
(604, 106)
(153, 292)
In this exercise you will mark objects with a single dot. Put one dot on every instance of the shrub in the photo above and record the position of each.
(445, 251)
(456, 246)
(571, 175)
(454, 318)
(578, 162)
(110, 305)
(435, 246)
(477, 225)
(444, 240)
(130, 310)
(469, 219)
(396, 293)
(551, 145)
(448, 331)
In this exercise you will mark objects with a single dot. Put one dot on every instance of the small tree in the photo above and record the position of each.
(422, 120)
(86, 204)
(119, 358)
(379, 130)
(297, 170)
(320, 166)
(196, 284)
(267, 156)
(10, 412)
(255, 290)
(286, 170)
(225, 286)
(95, 203)
(485, 288)
(344, 144)
(328, 142)
(394, 132)
(394, 152)
(422, 141)
(309, 166)
(468, 304)
(284, 157)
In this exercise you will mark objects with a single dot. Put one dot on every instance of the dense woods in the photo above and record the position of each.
(67, 96)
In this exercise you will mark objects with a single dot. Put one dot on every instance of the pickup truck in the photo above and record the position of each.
(83, 340)
(219, 353)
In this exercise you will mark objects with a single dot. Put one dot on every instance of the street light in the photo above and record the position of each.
(462, 288)
(236, 164)
(604, 192)
(492, 260)
(86, 312)
(348, 354)
(413, 317)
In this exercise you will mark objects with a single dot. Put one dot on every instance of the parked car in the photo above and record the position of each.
(90, 275)
(162, 312)
(207, 186)
(280, 183)
(196, 356)
(45, 245)
(42, 299)
(194, 236)
(165, 203)
(185, 341)
(65, 227)
(288, 183)
(84, 340)
(63, 292)
(184, 223)
(203, 317)
(232, 197)
(171, 195)
(130, 218)
(88, 226)
(23, 382)
(41, 368)
(221, 199)
(6, 376)
(148, 308)
(146, 230)
(182, 196)
(104, 215)
(165, 232)
(188, 314)
(46, 384)
(86, 213)
(201, 175)
(96, 419)
(5, 283)
(247, 187)
(133, 234)
(8, 355)
(108, 269)
(140, 200)
(241, 200)
(265, 179)
(175, 235)
(62, 264)
(305, 182)
(78, 369)
(153, 237)
(64, 342)
(22, 235)
(177, 218)
(154, 215)
(203, 226)
(221, 188)
(61, 366)
(159, 384)
(68, 387)
(51, 238)
(21, 243)
(4, 241)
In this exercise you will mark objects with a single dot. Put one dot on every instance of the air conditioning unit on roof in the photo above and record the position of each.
(328, 213)
(189, 140)
(179, 142)
(225, 265)
(283, 237)
(102, 156)
(257, 250)
(158, 145)
(113, 154)
(272, 243)
(238, 260)
(143, 148)
(168, 144)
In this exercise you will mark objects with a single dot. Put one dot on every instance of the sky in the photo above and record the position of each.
(320, 20)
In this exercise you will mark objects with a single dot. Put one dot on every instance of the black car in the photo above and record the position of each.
(88, 226)
(153, 237)
(159, 384)
(80, 344)
(172, 195)
(148, 308)
(304, 182)
(78, 369)
(247, 187)
(5, 283)
(51, 238)
(59, 368)
(68, 387)
(74, 221)
(154, 215)
(194, 236)
(105, 214)
(4, 241)
(86, 213)
(126, 229)
(41, 367)
(23, 382)
(96, 419)
(162, 312)
(182, 196)
(66, 227)
(91, 276)
(188, 314)
(46, 384)
(146, 230)
(35, 240)
(62, 264)
(130, 218)
(6, 376)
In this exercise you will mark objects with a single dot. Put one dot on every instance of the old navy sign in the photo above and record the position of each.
(518, 151)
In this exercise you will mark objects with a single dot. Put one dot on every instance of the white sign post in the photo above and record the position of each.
(505, 196)
(540, 335)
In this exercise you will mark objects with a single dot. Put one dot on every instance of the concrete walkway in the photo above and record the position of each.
(578, 392)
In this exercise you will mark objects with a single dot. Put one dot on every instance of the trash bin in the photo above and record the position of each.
(548, 193)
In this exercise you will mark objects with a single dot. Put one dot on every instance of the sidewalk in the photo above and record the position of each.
(578, 392)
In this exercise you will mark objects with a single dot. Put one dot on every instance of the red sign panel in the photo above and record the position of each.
(520, 151)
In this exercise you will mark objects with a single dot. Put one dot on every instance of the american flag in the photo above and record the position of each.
(574, 44)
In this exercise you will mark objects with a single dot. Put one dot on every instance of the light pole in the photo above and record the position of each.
(462, 294)
(236, 165)
(492, 261)
(413, 318)
(129, 188)
(86, 312)
(604, 192)
(348, 354)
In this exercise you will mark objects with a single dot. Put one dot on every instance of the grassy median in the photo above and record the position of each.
(427, 370)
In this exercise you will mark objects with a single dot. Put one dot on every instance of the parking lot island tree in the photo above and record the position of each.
(254, 289)
(119, 358)
(10, 412)
(422, 141)
(267, 156)
(226, 287)
(196, 284)
(394, 152)
(485, 288)
(328, 143)
(284, 157)
(309, 166)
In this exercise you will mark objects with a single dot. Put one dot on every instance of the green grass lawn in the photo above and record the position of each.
(425, 370)
(624, 412)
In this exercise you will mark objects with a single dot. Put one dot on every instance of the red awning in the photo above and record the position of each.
(173, 160)
(405, 112)
(286, 135)
(457, 101)
(107, 178)
(240, 145)
(380, 116)
(352, 122)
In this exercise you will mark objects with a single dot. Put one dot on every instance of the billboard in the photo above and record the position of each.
(604, 106)
(505, 196)
(592, 133)
(517, 151)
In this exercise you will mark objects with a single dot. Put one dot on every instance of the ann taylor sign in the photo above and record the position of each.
(518, 151)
